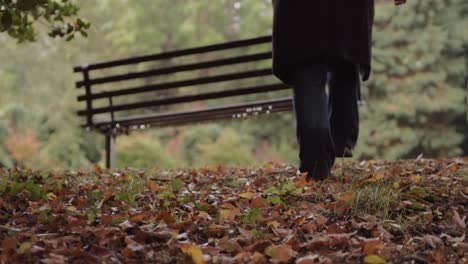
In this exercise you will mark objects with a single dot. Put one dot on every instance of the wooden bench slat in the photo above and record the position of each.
(274, 105)
(219, 116)
(178, 53)
(186, 99)
(179, 84)
(176, 69)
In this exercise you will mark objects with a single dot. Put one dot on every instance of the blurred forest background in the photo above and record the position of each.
(415, 100)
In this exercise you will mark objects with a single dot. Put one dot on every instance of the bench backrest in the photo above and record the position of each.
(142, 91)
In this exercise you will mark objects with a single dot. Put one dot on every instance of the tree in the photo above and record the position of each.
(416, 95)
(18, 18)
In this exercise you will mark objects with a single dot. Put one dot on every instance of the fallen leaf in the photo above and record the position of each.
(51, 196)
(347, 196)
(372, 246)
(25, 246)
(433, 241)
(281, 253)
(9, 244)
(72, 208)
(415, 178)
(273, 223)
(257, 202)
(193, 251)
(246, 195)
(373, 259)
(152, 186)
(334, 229)
(300, 220)
(216, 229)
(459, 222)
(453, 167)
(106, 219)
(302, 181)
(97, 168)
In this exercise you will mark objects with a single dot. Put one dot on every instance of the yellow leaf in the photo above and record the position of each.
(216, 229)
(194, 251)
(415, 178)
(373, 259)
(396, 185)
(273, 223)
(72, 208)
(246, 195)
(347, 196)
(51, 196)
(225, 214)
(377, 177)
(25, 246)
(300, 220)
(371, 162)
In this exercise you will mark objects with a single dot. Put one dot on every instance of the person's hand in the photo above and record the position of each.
(400, 2)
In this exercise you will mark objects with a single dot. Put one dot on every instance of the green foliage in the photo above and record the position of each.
(286, 187)
(30, 186)
(375, 199)
(206, 134)
(45, 217)
(18, 18)
(141, 151)
(251, 216)
(132, 187)
(417, 92)
(228, 149)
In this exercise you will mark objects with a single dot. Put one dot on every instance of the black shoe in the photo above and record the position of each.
(320, 170)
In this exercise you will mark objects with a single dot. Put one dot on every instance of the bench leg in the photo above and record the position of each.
(110, 151)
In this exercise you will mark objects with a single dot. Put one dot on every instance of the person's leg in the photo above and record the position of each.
(344, 114)
(316, 152)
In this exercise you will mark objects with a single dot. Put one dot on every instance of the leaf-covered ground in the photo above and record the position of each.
(368, 212)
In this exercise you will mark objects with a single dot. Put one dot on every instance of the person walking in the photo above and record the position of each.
(320, 43)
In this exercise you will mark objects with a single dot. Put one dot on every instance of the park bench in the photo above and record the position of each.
(226, 81)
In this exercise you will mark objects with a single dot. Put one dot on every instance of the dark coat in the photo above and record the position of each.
(321, 31)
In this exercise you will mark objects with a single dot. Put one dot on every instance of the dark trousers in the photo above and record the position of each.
(327, 124)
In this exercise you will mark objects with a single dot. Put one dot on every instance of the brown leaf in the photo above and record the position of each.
(106, 219)
(257, 202)
(371, 246)
(217, 229)
(281, 253)
(258, 258)
(433, 241)
(347, 196)
(302, 181)
(97, 168)
(258, 246)
(9, 244)
(138, 218)
(335, 229)
(152, 186)
(459, 222)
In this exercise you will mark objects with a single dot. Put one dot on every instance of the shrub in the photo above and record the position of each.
(141, 151)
